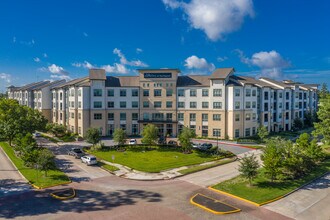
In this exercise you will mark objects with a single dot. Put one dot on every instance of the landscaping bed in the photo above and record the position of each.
(153, 159)
(35, 177)
(262, 190)
(197, 168)
(107, 167)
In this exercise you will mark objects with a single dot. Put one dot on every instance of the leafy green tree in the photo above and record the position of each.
(297, 124)
(45, 160)
(185, 139)
(308, 119)
(312, 153)
(56, 129)
(93, 136)
(248, 167)
(315, 152)
(119, 136)
(322, 127)
(324, 91)
(149, 134)
(262, 132)
(294, 161)
(272, 157)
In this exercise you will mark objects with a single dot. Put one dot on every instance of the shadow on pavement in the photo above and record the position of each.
(38, 203)
(11, 186)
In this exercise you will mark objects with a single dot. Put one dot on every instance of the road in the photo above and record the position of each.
(217, 174)
(11, 181)
(310, 202)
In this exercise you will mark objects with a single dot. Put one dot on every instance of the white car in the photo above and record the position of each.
(195, 145)
(132, 142)
(89, 160)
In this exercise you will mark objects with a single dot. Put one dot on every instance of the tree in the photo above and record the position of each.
(93, 136)
(323, 126)
(324, 91)
(308, 119)
(45, 161)
(272, 157)
(248, 167)
(16, 119)
(185, 139)
(119, 136)
(149, 134)
(262, 132)
(297, 124)
(56, 129)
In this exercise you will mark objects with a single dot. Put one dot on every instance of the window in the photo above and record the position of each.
(247, 132)
(287, 95)
(280, 105)
(169, 92)
(217, 105)
(180, 116)
(146, 92)
(79, 104)
(111, 116)
(254, 92)
(266, 117)
(72, 115)
(237, 117)
(193, 104)
(236, 133)
(169, 116)
(237, 92)
(135, 116)
(216, 117)
(135, 92)
(123, 92)
(181, 92)
(122, 116)
(254, 131)
(248, 92)
(145, 116)
(180, 104)
(193, 127)
(97, 116)
(237, 105)
(205, 104)
(122, 104)
(157, 92)
(71, 91)
(193, 92)
(254, 116)
(111, 92)
(97, 92)
(61, 96)
(192, 117)
(111, 104)
(97, 104)
(248, 116)
(217, 92)
(287, 105)
(205, 131)
(169, 104)
(266, 95)
(205, 92)
(146, 104)
(248, 105)
(135, 104)
(265, 106)
(254, 104)
(280, 95)
(205, 117)
(72, 105)
(287, 115)
(79, 92)
(216, 132)
(123, 127)
(157, 104)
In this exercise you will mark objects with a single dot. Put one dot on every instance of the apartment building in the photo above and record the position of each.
(221, 104)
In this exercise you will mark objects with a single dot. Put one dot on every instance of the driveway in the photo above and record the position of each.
(235, 148)
(217, 174)
(310, 202)
(74, 168)
(11, 181)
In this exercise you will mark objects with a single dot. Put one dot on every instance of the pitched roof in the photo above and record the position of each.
(51, 84)
(70, 83)
(33, 85)
(222, 73)
(193, 80)
(122, 81)
(281, 84)
(249, 80)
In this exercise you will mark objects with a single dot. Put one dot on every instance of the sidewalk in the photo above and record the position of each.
(128, 173)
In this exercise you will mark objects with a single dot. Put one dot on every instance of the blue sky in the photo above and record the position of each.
(61, 39)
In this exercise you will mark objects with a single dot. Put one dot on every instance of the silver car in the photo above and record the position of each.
(89, 160)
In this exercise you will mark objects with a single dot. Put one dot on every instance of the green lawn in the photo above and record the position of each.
(108, 167)
(197, 168)
(153, 161)
(35, 177)
(263, 190)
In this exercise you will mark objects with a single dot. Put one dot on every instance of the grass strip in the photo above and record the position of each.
(54, 177)
(262, 190)
(108, 167)
(197, 168)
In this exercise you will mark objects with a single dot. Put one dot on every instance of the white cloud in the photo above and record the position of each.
(5, 77)
(271, 63)
(36, 59)
(85, 34)
(194, 62)
(221, 59)
(57, 70)
(116, 68)
(85, 64)
(45, 55)
(26, 43)
(139, 50)
(215, 17)
(60, 77)
(124, 61)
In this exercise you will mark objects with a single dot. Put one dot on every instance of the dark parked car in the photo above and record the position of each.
(161, 140)
(174, 143)
(76, 152)
(205, 146)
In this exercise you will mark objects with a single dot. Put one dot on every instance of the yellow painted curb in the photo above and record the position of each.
(62, 197)
(210, 210)
(245, 200)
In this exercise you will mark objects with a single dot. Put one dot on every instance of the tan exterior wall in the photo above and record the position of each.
(47, 113)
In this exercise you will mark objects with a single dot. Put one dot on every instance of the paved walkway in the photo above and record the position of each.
(310, 202)
(11, 181)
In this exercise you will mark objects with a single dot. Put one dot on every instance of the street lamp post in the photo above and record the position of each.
(217, 139)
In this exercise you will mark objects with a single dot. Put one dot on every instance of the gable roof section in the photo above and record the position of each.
(122, 81)
(193, 80)
(222, 73)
